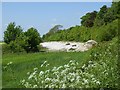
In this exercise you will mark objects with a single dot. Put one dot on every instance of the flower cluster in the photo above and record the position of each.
(68, 75)
(6, 67)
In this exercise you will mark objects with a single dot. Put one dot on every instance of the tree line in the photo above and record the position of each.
(100, 26)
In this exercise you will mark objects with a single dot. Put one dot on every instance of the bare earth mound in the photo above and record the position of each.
(68, 46)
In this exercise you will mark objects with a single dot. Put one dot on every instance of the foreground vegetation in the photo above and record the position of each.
(23, 63)
(94, 68)
(100, 70)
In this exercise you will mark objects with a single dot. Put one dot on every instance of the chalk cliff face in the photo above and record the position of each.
(68, 46)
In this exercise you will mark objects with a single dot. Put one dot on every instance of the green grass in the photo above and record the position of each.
(104, 56)
(23, 63)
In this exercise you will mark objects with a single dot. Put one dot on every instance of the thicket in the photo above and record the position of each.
(82, 34)
(18, 41)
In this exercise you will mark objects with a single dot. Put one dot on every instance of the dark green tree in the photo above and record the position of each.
(34, 39)
(88, 19)
(100, 16)
(12, 32)
(112, 13)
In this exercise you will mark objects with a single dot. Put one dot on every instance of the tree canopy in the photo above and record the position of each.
(88, 19)
(34, 39)
(19, 41)
(12, 32)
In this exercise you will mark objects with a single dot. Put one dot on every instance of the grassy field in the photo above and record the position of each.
(24, 63)
(100, 62)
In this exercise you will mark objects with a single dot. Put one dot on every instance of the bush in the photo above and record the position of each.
(34, 39)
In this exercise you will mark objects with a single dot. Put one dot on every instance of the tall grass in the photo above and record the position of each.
(23, 63)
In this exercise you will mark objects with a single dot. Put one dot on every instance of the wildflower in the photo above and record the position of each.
(98, 82)
(83, 66)
(63, 86)
(95, 54)
(28, 73)
(90, 62)
(30, 76)
(35, 86)
(35, 69)
(22, 81)
(9, 63)
(47, 79)
(41, 73)
(47, 65)
(72, 79)
(59, 67)
(47, 71)
(66, 66)
(85, 80)
(54, 69)
(27, 84)
(43, 63)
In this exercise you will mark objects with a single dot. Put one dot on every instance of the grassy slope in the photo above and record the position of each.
(26, 62)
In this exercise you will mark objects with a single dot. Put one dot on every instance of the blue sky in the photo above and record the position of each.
(44, 16)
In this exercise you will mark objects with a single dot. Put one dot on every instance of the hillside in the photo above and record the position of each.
(83, 34)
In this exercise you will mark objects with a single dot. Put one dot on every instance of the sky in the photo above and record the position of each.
(44, 15)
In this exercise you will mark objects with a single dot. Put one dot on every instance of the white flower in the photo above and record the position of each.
(78, 77)
(35, 69)
(22, 81)
(41, 73)
(35, 86)
(43, 63)
(90, 62)
(30, 76)
(83, 66)
(47, 71)
(85, 80)
(63, 86)
(47, 65)
(72, 79)
(11, 62)
(28, 73)
(66, 66)
(54, 69)
(47, 79)
(59, 67)
(27, 85)
(98, 82)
